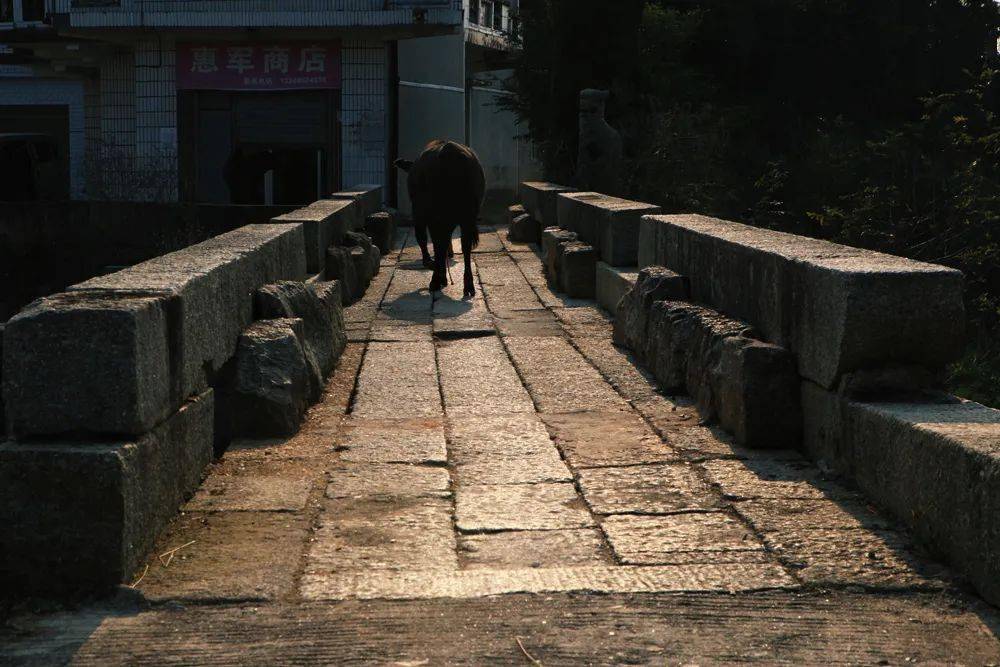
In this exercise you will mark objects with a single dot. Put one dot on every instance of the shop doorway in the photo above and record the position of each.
(280, 148)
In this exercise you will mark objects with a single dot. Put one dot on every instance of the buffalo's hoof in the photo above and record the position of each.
(470, 292)
(428, 263)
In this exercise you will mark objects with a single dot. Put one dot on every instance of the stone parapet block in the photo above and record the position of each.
(934, 463)
(539, 200)
(88, 362)
(552, 238)
(838, 309)
(324, 223)
(80, 515)
(207, 290)
(612, 283)
(610, 224)
(578, 270)
(525, 229)
(368, 197)
(654, 283)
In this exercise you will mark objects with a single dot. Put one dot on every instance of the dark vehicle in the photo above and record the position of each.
(30, 168)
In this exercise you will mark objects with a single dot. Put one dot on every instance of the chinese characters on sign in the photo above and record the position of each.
(265, 66)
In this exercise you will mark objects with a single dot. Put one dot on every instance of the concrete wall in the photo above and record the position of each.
(495, 135)
(431, 97)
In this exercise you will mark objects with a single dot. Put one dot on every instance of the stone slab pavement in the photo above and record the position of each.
(492, 481)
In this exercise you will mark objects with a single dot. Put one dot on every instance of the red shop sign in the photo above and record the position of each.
(264, 66)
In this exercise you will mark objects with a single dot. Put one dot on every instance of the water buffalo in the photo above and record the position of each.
(446, 186)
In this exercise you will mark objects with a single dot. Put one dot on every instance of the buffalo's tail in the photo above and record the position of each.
(470, 231)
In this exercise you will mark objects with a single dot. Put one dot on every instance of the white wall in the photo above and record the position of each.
(431, 97)
(17, 92)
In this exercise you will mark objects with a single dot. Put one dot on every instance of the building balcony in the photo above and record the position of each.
(227, 14)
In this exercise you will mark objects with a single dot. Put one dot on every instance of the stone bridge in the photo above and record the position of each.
(648, 438)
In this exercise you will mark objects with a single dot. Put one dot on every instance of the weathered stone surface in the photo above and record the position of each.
(648, 239)
(646, 489)
(381, 228)
(578, 270)
(295, 300)
(533, 548)
(88, 362)
(368, 197)
(837, 309)
(80, 515)
(934, 465)
(324, 223)
(250, 493)
(683, 341)
(785, 515)
(230, 559)
(612, 283)
(400, 480)
(515, 211)
(573, 214)
(539, 200)
(558, 378)
(272, 381)
(552, 238)
(209, 292)
(527, 323)
(754, 394)
(329, 294)
(730, 577)
(514, 449)
(873, 558)
(463, 365)
(373, 441)
(398, 381)
(610, 224)
(376, 537)
(595, 439)
(749, 386)
(524, 229)
(519, 507)
(652, 284)
(584, 319)
(764, 478)
(697, 537)
(497, 437)
(340, 266)
(363, 268)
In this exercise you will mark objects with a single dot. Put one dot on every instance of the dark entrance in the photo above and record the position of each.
(34, 152)
(259, 147)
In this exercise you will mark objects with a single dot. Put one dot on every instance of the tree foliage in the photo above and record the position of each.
(875, 124)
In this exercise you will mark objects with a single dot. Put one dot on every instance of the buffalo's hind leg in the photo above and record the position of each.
(469, 283)
(440, 278)
(420, 230)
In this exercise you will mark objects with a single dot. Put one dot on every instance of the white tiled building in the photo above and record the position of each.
(241, 101)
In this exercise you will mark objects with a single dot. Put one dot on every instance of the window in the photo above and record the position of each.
(474, 11)
(6, 11)
(497, 16)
